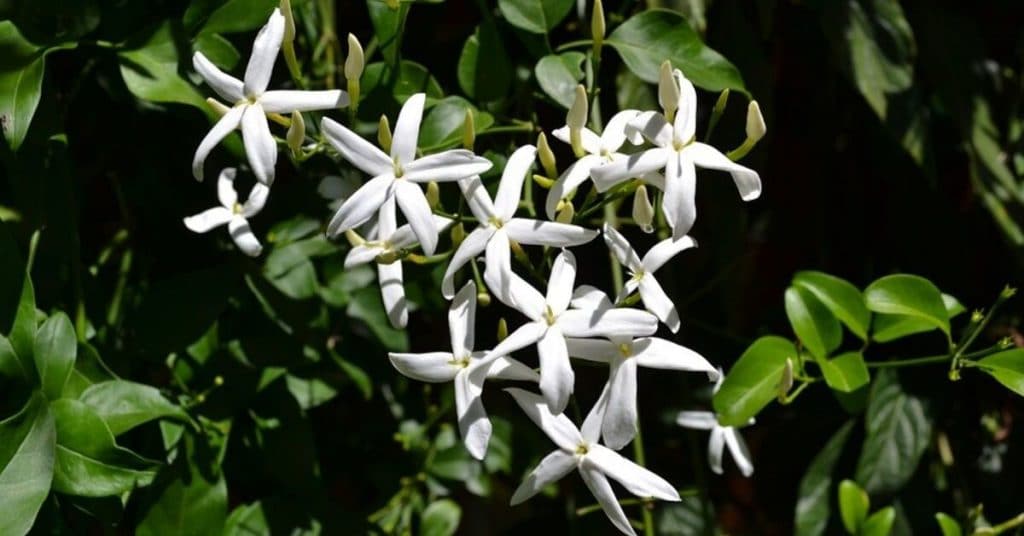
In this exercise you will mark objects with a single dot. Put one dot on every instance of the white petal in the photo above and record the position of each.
(716, 443)
(628, 288)
(451, 165)
(220, 130)
(256, 201)
(387, 220)
(556, 375)
(226, 193)
(680, 203)
(288, 101)
(568, 181)
(228, 87)
(685, 124)
(591, 428)
(748, 182)
(561, 282)
(591, 141)
(208, 219)
(433, 367)
(697, 420)
(619, 425)
(462, 320)
(392, 292)
(656, 301)
(522, 337)
(590, 298)
(241, 233)
(359, 152)
(635, 165)
(739, 451)
(614, 134)
(407, 129)
(405, 236)
(638, 480)
(498, 270)
(654, 127)
(264, 54)
(600, 350)
(506, 368)
(557, 427)
(653, 352)
(526, 299)
(547, 233)
(620, 247)
(362, 205)
(551, 469)
(510, 189)
(260, 147)
(469, 408)
(471, 246)
(602, 490)
(477, 198)
(362, 254)
(663, 251)
(613, 323)
(654, 179)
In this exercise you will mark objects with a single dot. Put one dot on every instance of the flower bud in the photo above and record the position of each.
(384, 134)
(977, 316)
(566, 213)
(668, 91)
(643, 211)
(218, 380)
(547, 157)
(1008, 292)
(502, 329)
(786, 382)
(483, 298)
(723, 99)
(468, 131)
(355, 61)
(433, 195)
(577, 119)
(458, 234)
(543, 181)
(289, 21)
(597, 26)
(296, 133)
(218, 107)
(755, 122)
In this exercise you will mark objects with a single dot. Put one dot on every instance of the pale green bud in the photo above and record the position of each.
(547, 157)
(433, 195)
(355, 61)
(668, 91)
(384, 134)
(755, 122)
(597, 26)
(468, 131)
(296, 133)
(643, 211)
(566, 213)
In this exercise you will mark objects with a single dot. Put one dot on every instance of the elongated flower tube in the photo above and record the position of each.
(232, 213)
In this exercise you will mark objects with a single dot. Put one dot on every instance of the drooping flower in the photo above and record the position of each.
(721, 437)
(232, 213)
(579, 449)
(398, 175)
(251, 102)
(384, 246)
(642, 272)
(498, 224)
(677, 152)
(437, 367)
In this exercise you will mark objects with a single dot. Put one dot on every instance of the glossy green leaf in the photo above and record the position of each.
(10, 366)
(853, 506)
(54, 353)
(441, 518)
(27, 443)
(650, 37)
(813, 506)
(123, 405)
(886, 328)
(846, 372)
(380, 82)
(909, 295)
(151, 71)
(444, 123)
(948, 525)
(879, 523)
(23, 332)
(21, 83)
(193, 501)
(484, 69)
(753, 381)
(691, 516)
(239, 16)
(632, 93)
(218, 50)
(559, 74)
(841, 297)
(535, 16)
(1007, 368)
(899, 429)
(814, 324)
(387, 26)
(310, 392)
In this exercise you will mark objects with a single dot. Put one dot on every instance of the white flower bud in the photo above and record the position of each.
(643, 211)
(577, 116)
(296, 133)
(755, 122)
(597, 25)
(354, 62)
(668, 91)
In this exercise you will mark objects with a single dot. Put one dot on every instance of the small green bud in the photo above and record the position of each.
(296, 133)
(483, 298)
(355, 61)
(218, 380)
(577, 120)
(543, 181)
(723, 100)
(1008, 292)
(384, 134)
(643, 211)
(468, 131)
(755, 122)
(668, 91)
(547, 157)
(597, 26)
(502, 329)
(977, 316)
(433, 195)
(566, 213)
(458, 234)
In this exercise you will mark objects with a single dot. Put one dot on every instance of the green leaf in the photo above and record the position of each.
(846, 372)
(841, 297)
(559, 74)
(151, 71)
(54, 352)
(880, 522)
(1007, 368)
(899, 428)
(27, 443)
(886, 328)
(218, 50)
(484, 71)
(444, 123)
(812, 508)
(535, 16)
(358, 376)
(366, 305)
(239, 16)
(380, 83)
(23, 332)
(89, 462)
(310, 392)
(753, 381)
(690, 516)
(814, 324)
(853, 506)
(650, 37)
(387, 26)
(948, 525)
(21, 83)
(909, 295)
(123, 405)
(632, 93)
(10, 365)
(441, 518)
(194, 501)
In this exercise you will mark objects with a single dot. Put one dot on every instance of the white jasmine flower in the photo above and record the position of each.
(551, 321)
(498, 224)
(398, 175)
(677, 152)
(232, 213)
(437, 367)
(642, 272)
(252, 102)
(721, 437)
(579, 449)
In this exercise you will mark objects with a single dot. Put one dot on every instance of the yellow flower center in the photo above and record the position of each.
(626, 349)
(397, 169)
(550, 316)
(237, 209)
(460, 362)
(497, 222)
(582, 449)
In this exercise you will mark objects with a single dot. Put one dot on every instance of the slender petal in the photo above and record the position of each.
(405, 236)
(653, 352)
(392, 292)
(654, 127)
(359, 152)
(556, 375)
(471, 246)
(208, 219)
(663, 251)
(748, 182)
(527, 299)
(599, 350)
(551, 469)
(510, 189)
(614, 134)
(473, 423)
(599, 486)
(498, 272)
(241, 233)
(591, 141)
(619, 425)
(226, 193)
(738, 449)
(477, 198)
(227, 123)
(590, 298)
(547, 233)
(697, 420)
(387, 220)
(264, 54)
(613, 323)
(680, 204)
(685, 124)
(462, 320)
(628, 288)
(288, 101)
(433, 367)
(557, 427)
(568, 181)
(657, 302)
(362, 254)
(228, 87)
(716, 443)
(260, 147)
(256, 201)
(638, 480)
(407, 129)
(526, 335)
(361, 205)
(591, 429)
(506, 368)
(636, 165)
(450, 165)
(561, 282)
(620, 247)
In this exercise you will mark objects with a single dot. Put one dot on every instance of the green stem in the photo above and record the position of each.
(580, 43)
(910, 362)
(1008, 524)
(507, 129)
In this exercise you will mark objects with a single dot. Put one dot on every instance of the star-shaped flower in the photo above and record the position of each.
(398, 175)
(721, 437)
(498, 224)
(642, 272)
(437, 367)
(251, 102)
(232, 213)
(579, 449)
(677, 152)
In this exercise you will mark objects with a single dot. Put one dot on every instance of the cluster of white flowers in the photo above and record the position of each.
(563, 322)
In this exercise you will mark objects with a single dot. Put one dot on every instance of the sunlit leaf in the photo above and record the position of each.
(841, 297)
(123, 405)
(559, 74)
(909, 295)
(753, 381)
(814, 324)
(1007, 368)
(536, 16)
(27, 443)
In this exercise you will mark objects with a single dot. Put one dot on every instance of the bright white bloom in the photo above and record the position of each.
(398, 174)
(579, 449)
(233, 214)
(385, 245)
(251, 102)
(721, 437)
(600, 150)
(623, 355)
(642, 272)
(551, 321)
(437, 367)
(677, 152)
(498, 224)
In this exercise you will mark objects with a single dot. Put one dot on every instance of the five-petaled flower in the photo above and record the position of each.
(234, 214)
(721, 437)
